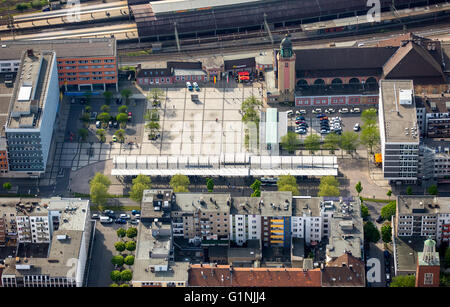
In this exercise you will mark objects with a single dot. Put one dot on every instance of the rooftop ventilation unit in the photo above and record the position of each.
(405, 97)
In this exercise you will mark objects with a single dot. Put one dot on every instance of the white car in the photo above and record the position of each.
(303, 112)
(298, 113)
(343, 110)
(124, 216)
(355, 110)
(317, 111)
(356, 127)
(289, 113)
(330, 110)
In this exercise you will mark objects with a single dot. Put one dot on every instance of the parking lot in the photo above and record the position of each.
(348, 120)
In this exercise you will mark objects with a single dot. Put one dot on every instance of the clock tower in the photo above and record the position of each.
(286, 71)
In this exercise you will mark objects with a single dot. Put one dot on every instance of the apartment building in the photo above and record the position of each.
(33, 224)
(399, 134)
(157, 205)
(62, 263)
(32, 113)
(202, 217)
(154, 265)
(423, 216)
(82, 63)
(8, 224)
(307, 221)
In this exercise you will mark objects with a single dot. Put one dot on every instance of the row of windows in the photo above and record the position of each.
(86, 61)
(85, 67)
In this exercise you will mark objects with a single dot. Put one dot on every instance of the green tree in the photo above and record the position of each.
(329, 180)
(131, 232)
(7, 186)
(256, 193)
(349, 141)
(117, 260)
(369, 116)
(331, 142)
(104, 117)
(432, 190)
(151, 115)
(389, 193)
(87, 109)
(371, 233)
(140, 184)
(101, 135)
(85, 118)
(114, 285)
(209, 184)
(328, 190)
(83, 133)
(286, 180)
(99, 194)
(126, 275)
(250, 103)
(444, 280)
(291, 188)
(129, 260)
(108, 97)
(120, 246)
(402, 281)
(115, 275)
(290, 141)
(121, 232)
(144, 180)
(122, 119)
(364, 211)
(256, 185)
(124, 286)
(409, 190)
(386, 233)
(388, 211)
(130, 246)
(100, 178)
(105, 108)
(179, 183)
(370, 136)
(312, 142)
(155, 96)
(126, 93)
(358, 187)
(123, 109)
(120, 134)
(152, 126)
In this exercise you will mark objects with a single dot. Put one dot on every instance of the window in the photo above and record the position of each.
(428, 279)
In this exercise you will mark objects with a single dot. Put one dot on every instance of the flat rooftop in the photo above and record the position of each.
(271, 203)
(309, 206)
(423, 204)
(29, 96)
(74, 212)
(206, 202)
(64, 48)
(178, 271)
(168, 6)
(406, 252)
(399, 111)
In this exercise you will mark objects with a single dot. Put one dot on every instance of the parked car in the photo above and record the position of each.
(329, 110)
(134, 212)
(300, 118)
(114, 138)
(324, 131)
(110, 124)
(120, 221)
(355, 110)
(197, 88)
(95, 216)
(317, 111)
(138, 216)
(134, 222)
(98, 124)
(356, 127)
(116, 124)
(289, 113)
(108, 212)
(343, 110)
(302, 112)
(189, 86)
(124, 216)
(302, 131)
(106, 220)
(93, 116)
(324, 118)
(388, 277)
(379, 219)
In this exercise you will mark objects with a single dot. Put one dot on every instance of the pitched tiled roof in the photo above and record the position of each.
(344, 271)
(226, 276)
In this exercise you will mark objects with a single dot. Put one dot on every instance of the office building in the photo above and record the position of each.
(32, 113)
(399, 134)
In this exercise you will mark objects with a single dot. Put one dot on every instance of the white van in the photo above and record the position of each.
(105, 220)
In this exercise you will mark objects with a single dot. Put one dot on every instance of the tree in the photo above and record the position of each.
(115, 276)
(328, 190)
(122, 119)
(447, 257)
(108, 96)
(256, 187)
(129, 260)
(329, 180)
(121, 232)
(123, 109)
(152, 126)
(312, 142)
(256, 193)
(364, 211)
(87, 109)
(131, 232)
(388, 211)
(250, 103)
(290, 141)
(403, 281)
(137, 191)
(291, 188)
(286, 180)
(117, 260)
(370, 136)
(126, 275)
(130, 246)
(100, 178)
(386, 233)
(101, 135)
(83, 133)
(7, 186)
(432, 190)
(358, 187)
(120, 246)
(143, 179)
(369, 116)
(105, 108)
(151, 115)
(331, 142)
(120, 134)
(124, 286)
(114, 285)
(155, 95)
(99, 194)
(104, 117)
(389, 193)
(371, 233)
(180, 183)
(409, 190)
(349, 141)
(209, 184)
(126, 93)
